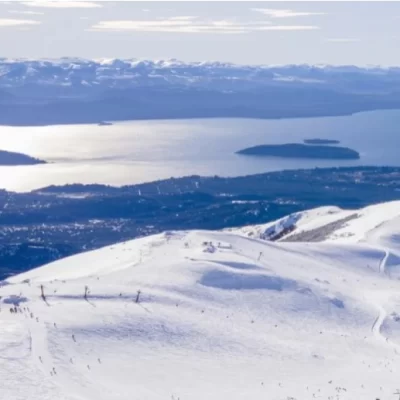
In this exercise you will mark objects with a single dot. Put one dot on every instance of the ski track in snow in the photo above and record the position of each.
(382, 264)
(376, 327)
(380, 320)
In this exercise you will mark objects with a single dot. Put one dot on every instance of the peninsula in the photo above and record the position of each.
(8, 158)
(297, 150)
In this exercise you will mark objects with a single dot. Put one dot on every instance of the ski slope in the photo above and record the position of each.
(213, 315)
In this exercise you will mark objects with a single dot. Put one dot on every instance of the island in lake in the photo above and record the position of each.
(10, 158)
(297, 150)
(321, 141)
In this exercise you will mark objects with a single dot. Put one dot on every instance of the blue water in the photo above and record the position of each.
(141, 151)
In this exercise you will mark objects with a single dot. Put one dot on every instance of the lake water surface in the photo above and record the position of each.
(142, 151)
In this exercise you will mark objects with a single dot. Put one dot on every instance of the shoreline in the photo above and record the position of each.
(183, 118)
(113, 187)
(112, 122)
(163, 118)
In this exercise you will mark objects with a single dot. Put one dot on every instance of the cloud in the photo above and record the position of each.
(342, 40)
(62, 4)
(183, 18)
(6, 22)
(26, 12)
(282, 13)
(289, 28)
(191, 24)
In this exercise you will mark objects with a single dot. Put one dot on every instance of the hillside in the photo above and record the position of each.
(220, 315)
(58, 221)
(332, 224)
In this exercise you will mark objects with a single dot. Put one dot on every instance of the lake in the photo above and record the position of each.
(141, 151)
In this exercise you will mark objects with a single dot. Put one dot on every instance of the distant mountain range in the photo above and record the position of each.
(72, 76)
(70, 90)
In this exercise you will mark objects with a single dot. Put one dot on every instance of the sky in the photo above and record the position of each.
(280, 32)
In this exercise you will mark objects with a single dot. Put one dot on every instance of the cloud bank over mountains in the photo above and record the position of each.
(176, 24)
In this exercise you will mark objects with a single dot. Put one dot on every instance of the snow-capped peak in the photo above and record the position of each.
(15, 73)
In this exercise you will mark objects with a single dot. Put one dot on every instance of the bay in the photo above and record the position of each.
(142, 151)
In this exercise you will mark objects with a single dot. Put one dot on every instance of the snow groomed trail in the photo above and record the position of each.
(376, 327)
(381, 300)
(382, 264)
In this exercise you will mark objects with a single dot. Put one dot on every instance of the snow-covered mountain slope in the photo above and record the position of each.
(300, 222)
(211, 315)
(327, 224)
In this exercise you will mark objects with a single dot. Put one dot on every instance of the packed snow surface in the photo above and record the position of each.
(213, 315)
